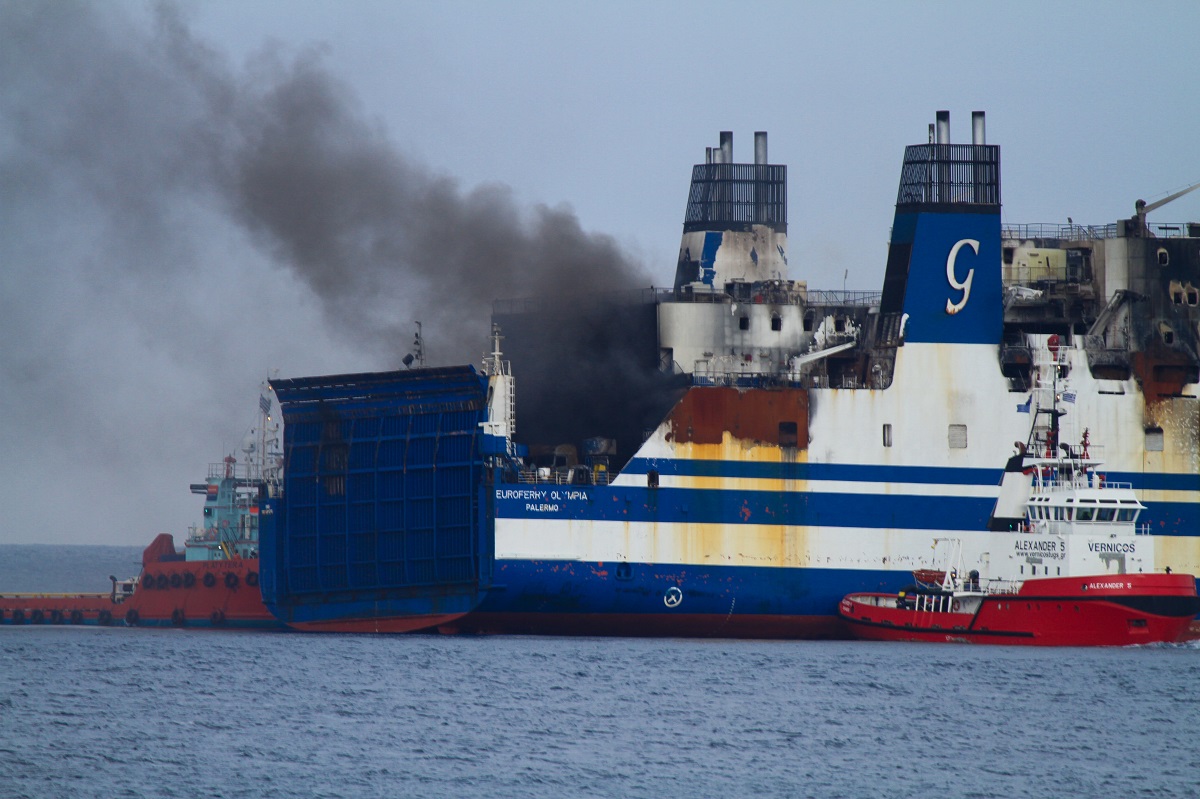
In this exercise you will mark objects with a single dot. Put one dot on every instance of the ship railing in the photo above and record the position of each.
(1068, 232)
(866, 299)
(1074, 232)
(783, 294)
(1078, 480)
(570, 475)
(1002, 587)
(689, 295)
(929, 603)
(718, 377)
(249, 472)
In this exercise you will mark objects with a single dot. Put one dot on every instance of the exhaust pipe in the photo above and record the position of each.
(978, 134)
(760, 147)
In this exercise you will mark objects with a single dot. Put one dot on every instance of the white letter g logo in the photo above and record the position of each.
(965, 287)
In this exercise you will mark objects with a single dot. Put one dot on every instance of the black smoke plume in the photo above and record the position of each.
(285, 152)
(136, 163)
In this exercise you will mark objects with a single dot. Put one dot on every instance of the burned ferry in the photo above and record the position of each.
(762, 449)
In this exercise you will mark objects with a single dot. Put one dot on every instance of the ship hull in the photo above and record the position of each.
(758, 450)
(379, 624)
(611, 598)
(1106, 610)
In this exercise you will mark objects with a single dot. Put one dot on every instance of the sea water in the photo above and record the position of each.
(115, 712)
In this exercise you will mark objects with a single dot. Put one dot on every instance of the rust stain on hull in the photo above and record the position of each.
(1163, 373)
(706, 414)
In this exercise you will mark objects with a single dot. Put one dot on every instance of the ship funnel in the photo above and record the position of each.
(943, 268)
(735, 225)
(978, 134)
(943, 127)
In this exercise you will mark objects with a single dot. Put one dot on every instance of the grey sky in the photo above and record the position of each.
(192, 198)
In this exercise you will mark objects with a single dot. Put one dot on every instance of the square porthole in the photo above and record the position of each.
(957, 436)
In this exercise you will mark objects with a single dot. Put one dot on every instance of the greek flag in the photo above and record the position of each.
(1069, 396)
(264, 404)
(1024, 408)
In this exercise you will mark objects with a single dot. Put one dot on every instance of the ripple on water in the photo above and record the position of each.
(136, 713)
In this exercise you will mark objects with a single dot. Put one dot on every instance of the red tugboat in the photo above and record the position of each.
(1098, 610)
(1079, 526)
(212, 583)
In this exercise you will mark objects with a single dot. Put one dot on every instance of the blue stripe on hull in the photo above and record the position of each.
(870, 473)
(846, 472)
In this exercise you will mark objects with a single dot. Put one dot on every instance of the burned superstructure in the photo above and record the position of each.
(1126, 293)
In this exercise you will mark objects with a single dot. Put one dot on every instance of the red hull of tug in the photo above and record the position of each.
(219, 593)
(1106, 610)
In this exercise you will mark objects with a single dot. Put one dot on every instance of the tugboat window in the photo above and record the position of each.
(744, 323)
(887, 435)
(652, 478)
